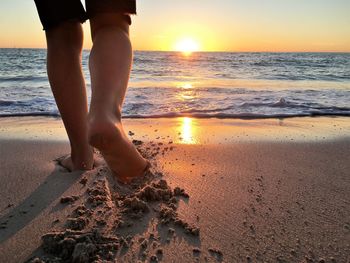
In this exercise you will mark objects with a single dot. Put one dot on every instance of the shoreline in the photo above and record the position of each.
(259, 190)
(186, 130)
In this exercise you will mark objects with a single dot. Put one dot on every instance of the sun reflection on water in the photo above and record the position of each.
(187, 130)
(187, 86)
(186, 91)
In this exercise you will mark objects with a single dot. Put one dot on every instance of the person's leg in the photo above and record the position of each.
(110, 64)
(64, 46)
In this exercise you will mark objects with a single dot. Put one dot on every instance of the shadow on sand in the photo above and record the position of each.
(40, 199)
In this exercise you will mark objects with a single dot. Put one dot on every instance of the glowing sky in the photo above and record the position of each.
(224, 25)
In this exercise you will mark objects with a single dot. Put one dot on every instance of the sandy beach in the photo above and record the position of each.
(275, 190)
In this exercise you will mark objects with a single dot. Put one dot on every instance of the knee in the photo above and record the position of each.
(67, 37)
(104, 21)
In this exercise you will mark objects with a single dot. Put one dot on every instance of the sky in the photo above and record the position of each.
(207, 25)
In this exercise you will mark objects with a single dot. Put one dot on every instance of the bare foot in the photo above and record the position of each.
(80, 165)
(66, 162)
(108, 136)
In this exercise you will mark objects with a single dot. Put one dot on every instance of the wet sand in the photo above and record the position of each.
(219, 191)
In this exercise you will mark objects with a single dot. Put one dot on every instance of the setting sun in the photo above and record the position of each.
(187, 46)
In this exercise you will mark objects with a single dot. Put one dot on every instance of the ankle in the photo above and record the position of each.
(82, 151)
(82, 159)
(105, 112)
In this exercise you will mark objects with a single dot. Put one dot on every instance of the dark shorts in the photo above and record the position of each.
(54, 12)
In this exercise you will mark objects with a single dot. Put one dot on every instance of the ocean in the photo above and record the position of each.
(202, 85)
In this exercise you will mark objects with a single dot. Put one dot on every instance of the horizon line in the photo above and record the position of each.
(202, 51)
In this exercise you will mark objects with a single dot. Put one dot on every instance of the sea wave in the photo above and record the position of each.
(281, 108)
(5, 103)
(283, 103)
(197, 115)
(30, 114)
(22, 78)
(204, 85)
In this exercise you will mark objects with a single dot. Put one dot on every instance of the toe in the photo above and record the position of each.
(66, 162)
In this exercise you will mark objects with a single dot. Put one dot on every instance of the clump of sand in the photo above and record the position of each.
(106, 220)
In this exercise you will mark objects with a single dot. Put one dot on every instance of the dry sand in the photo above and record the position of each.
(219, 191)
